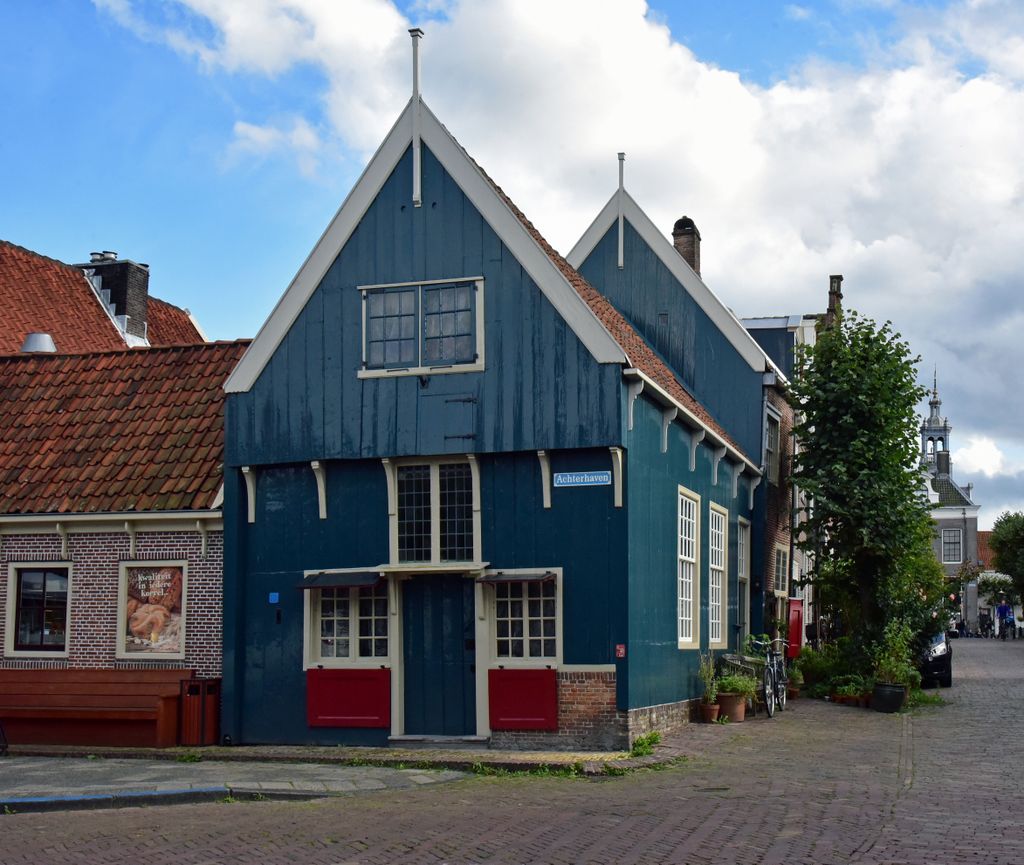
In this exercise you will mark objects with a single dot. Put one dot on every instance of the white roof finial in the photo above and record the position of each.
(622, 165)
(417, 195)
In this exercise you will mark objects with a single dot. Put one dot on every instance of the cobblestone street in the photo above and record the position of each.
(818, 784)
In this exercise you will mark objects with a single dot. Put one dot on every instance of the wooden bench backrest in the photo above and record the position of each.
(73, 677)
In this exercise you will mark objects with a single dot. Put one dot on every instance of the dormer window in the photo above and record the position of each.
(423, 328)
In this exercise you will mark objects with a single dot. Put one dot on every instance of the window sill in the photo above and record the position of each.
(343, 664)
(419, 370)
(689, 645)
(524, 663)
(18, 653)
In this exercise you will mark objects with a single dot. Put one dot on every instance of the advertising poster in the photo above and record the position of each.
(151, 619)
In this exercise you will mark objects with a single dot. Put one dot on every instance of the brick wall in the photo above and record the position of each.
(93, 626)
(779, 498)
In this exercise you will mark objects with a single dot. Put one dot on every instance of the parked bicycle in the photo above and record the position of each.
(775, 677)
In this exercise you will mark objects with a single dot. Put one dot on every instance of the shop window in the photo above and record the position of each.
(422, 328)
(37, 611)
(688, 580)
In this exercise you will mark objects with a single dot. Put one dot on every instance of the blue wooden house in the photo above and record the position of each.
(467, 493)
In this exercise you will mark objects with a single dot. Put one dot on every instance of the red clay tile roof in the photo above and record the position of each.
(133, 430)
(985, 554)
(170, 325)
(40, 294)
(640, 354)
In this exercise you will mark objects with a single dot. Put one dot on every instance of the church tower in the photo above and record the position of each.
(935, 432)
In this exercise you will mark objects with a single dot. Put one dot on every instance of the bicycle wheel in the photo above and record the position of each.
(769, 690)
(780, 689)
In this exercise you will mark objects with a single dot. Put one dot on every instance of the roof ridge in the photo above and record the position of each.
(19, 248)
(127, 352)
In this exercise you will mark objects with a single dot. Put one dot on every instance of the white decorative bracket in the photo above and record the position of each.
(62, 533)
(218, 500)
(753, 486)
(622, 258)
(633, 390)
(474, 470)
(667, 416)
(250, 491)
(321, 486)
(696, 437)
(203, 533)
(715, 460)
(736, 479)
(545, 477)
(617, 474)
(389, 470)
(129, 529)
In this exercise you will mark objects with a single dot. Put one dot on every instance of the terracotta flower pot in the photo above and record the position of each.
(792, 692)
(709, 712)
(733, 706)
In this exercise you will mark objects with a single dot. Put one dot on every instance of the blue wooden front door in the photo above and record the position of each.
(438, 653)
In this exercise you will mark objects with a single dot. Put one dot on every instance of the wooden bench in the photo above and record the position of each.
(91, 707)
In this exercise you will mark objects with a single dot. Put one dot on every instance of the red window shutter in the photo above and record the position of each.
(348, 698)
(523, 699)
(796, 628)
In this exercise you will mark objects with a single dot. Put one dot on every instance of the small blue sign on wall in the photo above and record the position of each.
(273, 598)
(583, 479)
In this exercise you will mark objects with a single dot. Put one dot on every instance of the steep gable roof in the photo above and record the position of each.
(718, 312)
(42, 295)
(132, 430)
(950, 494)
(171, 325)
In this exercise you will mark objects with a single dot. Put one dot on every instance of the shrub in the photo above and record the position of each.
(736, 683)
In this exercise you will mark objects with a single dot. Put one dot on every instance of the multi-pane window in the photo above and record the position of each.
(414, 513)
(781, 570)
(414, 327)
(353, 622)
(951, 546)
(526, 619)
(687, 578)
(771, 450)
(435, 518)
(41, 610)
(716, 575)
(743, 573)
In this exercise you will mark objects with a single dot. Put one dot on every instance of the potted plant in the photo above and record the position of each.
(733, 692)
(708, 707)
(796, 682)
(893, 670)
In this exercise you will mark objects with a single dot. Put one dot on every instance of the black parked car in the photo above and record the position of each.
(936, 661)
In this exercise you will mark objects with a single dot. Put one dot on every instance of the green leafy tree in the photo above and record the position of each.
(870, 526)
(1007, 543)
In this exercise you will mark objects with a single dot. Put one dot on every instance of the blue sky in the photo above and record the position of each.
(215, 139)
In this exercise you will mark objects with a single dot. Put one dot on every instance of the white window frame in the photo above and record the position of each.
(121, 652)
(391, 467)
(959, 544)
(689, 563)
(718, 564)
(781, 550)
(491, 605)
(419, 369)
(12, 609)
(772, 456)
(311, 657)
(743, 578)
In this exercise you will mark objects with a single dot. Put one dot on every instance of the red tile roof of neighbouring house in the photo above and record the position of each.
(133, 430)
(42, 295)
(170, 325)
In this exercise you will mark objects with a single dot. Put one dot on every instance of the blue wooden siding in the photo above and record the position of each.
(541, 387)
(670, 320)
(778, 343)
(660, 672)
(264, 688)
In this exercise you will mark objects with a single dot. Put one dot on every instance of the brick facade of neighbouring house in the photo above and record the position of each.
(95, 558)
(779, 516)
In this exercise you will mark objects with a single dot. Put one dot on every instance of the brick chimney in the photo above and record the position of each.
(124, 286)
(686, 240)
(835, 298)
(942, 463)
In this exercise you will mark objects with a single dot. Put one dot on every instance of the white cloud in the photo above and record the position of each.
(301, 141)
(981, 456)
(904, 175)
(798, 13)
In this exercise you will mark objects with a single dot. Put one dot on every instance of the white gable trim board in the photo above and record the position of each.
(718, 312)
(535, 261)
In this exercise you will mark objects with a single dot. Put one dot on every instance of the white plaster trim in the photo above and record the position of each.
(321, 487)
(129, 529)
(12, 604)
(177, 521)
(527, 251)
(203, 530)
(62, 533)
(718, 312)
(617, 474)
(691, 420)
(667, 416)
(249, 476)
(545, 477)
